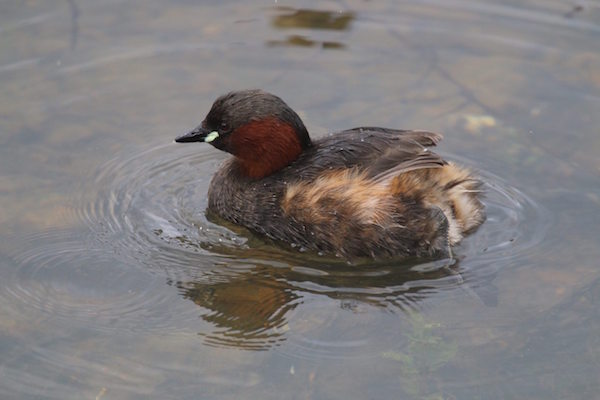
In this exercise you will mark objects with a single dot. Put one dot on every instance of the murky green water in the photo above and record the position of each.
(114, 284)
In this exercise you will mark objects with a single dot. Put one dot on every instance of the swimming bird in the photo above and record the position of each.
(363, 192)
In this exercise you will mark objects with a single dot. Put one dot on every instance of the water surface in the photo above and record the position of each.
(114, 283)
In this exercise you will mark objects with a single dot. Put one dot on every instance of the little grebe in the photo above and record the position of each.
(364, 192)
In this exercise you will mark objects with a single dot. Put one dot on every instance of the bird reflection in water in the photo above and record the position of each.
(249, 309)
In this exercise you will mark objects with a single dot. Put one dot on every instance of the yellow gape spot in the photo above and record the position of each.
(211, 136)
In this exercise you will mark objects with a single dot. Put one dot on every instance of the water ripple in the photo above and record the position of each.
(61, 276)
(146, 228)
(149, 208)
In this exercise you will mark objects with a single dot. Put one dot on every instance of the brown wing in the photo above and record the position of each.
(380, 152)
(425, 159)
(406, 152)
(424, 138)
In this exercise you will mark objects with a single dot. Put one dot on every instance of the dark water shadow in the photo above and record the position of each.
(288, 18)
(312, 19)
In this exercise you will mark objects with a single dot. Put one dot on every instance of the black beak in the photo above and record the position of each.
(197, 135)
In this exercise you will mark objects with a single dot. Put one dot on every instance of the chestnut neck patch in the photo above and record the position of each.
(265, 146)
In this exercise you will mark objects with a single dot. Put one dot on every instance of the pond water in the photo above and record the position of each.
(114, 283)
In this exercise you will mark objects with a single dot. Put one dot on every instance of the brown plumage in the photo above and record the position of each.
(365, 192)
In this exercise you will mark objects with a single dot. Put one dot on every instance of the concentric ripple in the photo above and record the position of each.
(156, 200)
(146, 228)
(61, 277)
(149, 211)
(149, 208)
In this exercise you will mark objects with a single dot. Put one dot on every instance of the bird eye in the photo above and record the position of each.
(224, 127)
